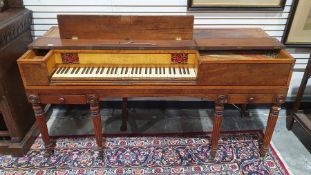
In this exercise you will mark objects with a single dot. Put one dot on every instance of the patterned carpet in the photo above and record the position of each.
(237, 154)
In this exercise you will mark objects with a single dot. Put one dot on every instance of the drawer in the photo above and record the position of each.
(251, 98)
(63, 99)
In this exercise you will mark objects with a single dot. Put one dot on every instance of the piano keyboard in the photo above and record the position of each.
(114, 72)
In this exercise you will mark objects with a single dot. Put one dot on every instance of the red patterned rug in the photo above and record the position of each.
(237, 154)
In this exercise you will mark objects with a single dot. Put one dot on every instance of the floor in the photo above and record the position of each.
(293, 146)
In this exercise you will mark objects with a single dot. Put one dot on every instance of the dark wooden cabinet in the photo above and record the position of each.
(17, 124)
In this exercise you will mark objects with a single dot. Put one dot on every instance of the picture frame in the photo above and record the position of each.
(237, 5)
(298, 28)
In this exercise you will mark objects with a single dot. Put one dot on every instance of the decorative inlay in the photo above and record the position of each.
(179, 58)
(70, 58)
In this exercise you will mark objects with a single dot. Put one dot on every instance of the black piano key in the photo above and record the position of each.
(160, 70)
(92, 69)
(58, 70)
(174, 71)
(169, 70)
(146, 70)
(122, 70)
(112, 70)
(107, 72)
(102, 70)
(180, 70)
(136, 70)
(98, 70)
(156, 70)
(73, 70)
(184, 70)
(67, 70)
(87, 70)
(150, 70)
(61, 69)
(188, 72)
(163, 70)
(77, 70)
(126, 70)
(140, 70)
(132, 72)
(83, 70)
(64, 70)
(116, 70)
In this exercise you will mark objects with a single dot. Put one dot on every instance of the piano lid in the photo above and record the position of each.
(149, 32)
(125, 27)
(235, 39)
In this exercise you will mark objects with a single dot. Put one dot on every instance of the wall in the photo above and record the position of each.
(45, 11)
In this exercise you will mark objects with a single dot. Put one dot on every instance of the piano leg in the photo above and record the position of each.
(124, 115)
(244, 111)
(218, 117)
(97, 124)
(41, 121)
(273, 116)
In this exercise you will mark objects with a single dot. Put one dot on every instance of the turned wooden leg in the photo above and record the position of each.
(244, 111)
(41, 120)
(96, 118)
(218, 117)
(273, 116)
(124, 114)
(290, 124)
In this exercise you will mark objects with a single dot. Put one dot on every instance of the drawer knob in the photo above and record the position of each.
(251, 99)
(61, 99)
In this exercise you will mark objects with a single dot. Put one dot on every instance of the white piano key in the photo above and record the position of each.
(167, 75)
(68, 72)
(118, 74)
(153, 74)
(129, 72)
(57, 71)
(143, 72)
(93, 73)
(79, 74)
(192, 72)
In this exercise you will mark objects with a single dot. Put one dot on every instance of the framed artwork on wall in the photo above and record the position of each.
(298, 28)
(236, 4)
